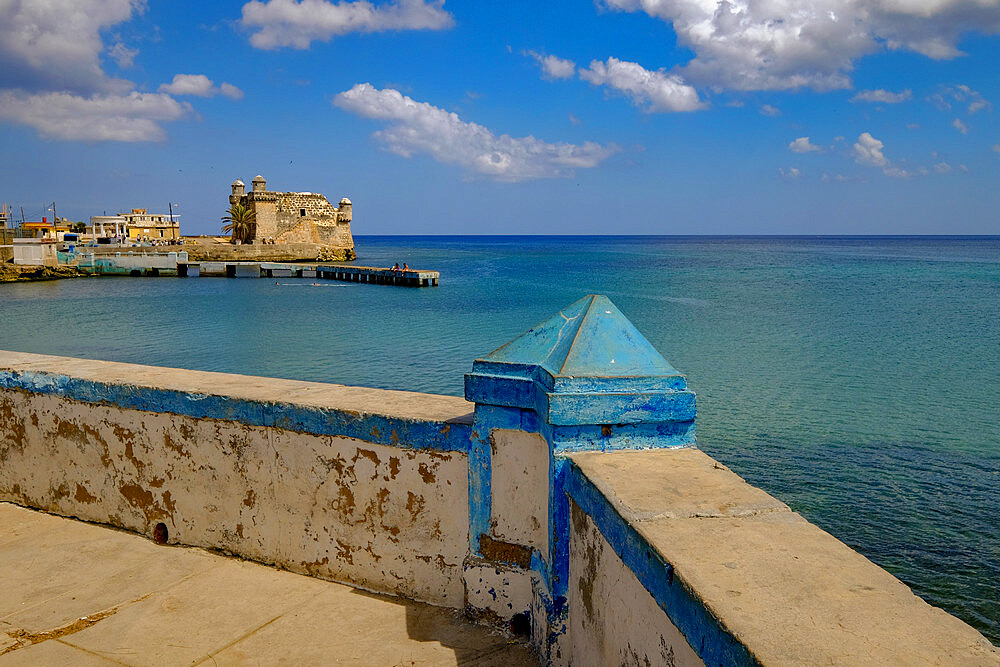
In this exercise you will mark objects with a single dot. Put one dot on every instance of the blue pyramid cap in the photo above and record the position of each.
(585, 366)
(591, 338)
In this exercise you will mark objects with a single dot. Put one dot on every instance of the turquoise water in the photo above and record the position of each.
(858, 379)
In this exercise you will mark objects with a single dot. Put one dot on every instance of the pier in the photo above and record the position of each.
(352, 274)
(178, 264)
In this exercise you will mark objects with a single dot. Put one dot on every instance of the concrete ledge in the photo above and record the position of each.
(787, 591)
(395, 418)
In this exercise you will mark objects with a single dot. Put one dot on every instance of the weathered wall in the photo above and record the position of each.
(285, 252)
(743, 578)
(613, 620)
(265, 208)
(322, 223)
(390, 516)
(615, 555)
(299, 217)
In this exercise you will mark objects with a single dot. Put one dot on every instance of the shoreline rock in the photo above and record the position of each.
(17, 273)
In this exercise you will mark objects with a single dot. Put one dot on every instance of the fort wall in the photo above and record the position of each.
(296, 217)
(572, 507)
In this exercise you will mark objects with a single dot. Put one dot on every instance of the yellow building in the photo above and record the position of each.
(45, 229)
(144, 226)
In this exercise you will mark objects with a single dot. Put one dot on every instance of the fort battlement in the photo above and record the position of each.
(564, 497)
(295, 217)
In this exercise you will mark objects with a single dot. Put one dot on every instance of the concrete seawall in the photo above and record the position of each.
(565, 499)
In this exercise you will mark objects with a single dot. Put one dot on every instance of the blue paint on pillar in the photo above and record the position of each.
(585, 379)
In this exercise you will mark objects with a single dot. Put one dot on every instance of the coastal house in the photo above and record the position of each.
(44, 229)
(106, 228)
(144, 226)
(295, 217)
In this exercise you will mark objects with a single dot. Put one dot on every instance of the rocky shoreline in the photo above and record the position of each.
(16, 273)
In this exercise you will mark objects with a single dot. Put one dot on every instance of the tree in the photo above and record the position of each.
(241, 223)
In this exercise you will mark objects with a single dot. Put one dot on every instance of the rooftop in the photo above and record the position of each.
(88, 594)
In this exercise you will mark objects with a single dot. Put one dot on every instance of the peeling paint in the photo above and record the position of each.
(84, 496)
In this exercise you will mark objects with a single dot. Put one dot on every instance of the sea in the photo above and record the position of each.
(855, 378)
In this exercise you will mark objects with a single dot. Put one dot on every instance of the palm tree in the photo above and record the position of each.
(241, 222)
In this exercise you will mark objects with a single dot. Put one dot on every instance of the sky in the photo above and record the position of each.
(512, 117)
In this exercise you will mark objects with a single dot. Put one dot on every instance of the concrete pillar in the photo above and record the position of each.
(584, 379)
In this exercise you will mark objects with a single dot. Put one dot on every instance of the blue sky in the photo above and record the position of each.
(615, 116)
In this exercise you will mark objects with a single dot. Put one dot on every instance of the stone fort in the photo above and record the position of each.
(295, 217)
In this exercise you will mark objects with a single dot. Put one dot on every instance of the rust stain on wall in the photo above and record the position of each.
(316, 567)
(504, 552)
(344, 502)
(12, 430)
(344, 552)
(84, 496)
(142, 500)
(130, 454)
(414, 505)
(426, 474)
(368, 454)
(70, 431)
(586, 582)
(177, 447)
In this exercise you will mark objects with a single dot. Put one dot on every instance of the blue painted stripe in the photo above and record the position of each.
(711, 641)
(609, 437)
(398, 432)
(621, 408)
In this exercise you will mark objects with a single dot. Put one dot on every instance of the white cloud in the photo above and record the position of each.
(790, 174)
(52, 79)
(199, 85)
(803, 145)
(123, 56)
(996, 148)
(419, 127)
(230, 91)
(961, 95)
(776, 45)
(842, 178)
(768, 110)
(57, 45)
(100, 117)
(297, 24)
(960, 126)
(942, 168)
(868, 151)
(654, 92)
(883, 96)
(553, 67)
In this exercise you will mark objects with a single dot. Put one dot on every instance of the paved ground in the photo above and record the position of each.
(80, 594)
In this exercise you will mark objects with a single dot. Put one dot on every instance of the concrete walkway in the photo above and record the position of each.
(80, 594)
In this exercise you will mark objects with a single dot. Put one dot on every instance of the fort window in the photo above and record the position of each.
(302, 212)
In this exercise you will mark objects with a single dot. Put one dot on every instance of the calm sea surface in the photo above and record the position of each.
(858, 379)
